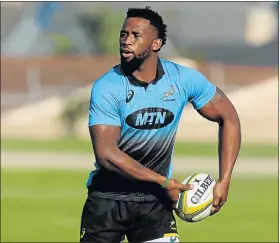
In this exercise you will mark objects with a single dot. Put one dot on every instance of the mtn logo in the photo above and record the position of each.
(150, 118)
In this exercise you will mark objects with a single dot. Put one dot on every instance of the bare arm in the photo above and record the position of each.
(105, 144)
(105, 140)
(221, 110)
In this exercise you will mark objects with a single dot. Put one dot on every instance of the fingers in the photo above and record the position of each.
(221, 203)
(216, 201)
(186, 187)
(174, 184)
(216, 206)
(214, 210)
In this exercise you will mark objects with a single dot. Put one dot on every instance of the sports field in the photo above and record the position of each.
(181, 148)
(44, 205)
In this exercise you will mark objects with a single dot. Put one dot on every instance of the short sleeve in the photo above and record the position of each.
(104, 105)
(199, 89)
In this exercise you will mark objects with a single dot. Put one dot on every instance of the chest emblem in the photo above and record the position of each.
(168, 93)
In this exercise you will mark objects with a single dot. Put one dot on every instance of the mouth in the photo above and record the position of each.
(126, 53)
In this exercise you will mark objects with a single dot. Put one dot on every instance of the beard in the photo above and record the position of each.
(130, 66)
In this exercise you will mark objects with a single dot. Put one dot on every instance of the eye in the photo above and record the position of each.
(122, 34)
(136, 34)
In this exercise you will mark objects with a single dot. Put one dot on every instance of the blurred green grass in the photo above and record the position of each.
(181, 148)
(45, 206)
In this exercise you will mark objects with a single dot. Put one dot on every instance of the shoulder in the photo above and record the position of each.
(177, 69)
(110, 81)
(111, 78)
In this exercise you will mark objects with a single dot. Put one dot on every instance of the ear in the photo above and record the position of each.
(157, 43)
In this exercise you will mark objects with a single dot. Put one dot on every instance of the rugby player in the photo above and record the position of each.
(134, 113)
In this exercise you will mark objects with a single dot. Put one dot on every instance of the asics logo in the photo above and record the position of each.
(129, 96)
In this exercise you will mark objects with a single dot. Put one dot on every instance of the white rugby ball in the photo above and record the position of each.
(195, 205)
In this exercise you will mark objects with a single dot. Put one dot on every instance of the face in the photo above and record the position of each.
(138, 39)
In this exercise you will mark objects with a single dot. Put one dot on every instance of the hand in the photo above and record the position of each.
(220, 195)
(174, 188)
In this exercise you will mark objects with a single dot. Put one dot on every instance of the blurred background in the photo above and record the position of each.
(51, 53)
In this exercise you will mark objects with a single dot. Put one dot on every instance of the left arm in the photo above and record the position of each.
(212, 103)
(219, 109)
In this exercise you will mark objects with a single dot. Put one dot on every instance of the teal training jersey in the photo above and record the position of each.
(148, 115)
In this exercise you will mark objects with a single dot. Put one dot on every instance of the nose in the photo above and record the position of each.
(127, 40)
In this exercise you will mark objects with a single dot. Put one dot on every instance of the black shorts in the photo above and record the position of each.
(109, 221)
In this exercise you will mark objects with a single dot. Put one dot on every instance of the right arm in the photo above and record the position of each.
(105, 144)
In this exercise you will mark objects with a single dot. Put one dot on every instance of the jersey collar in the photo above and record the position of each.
(160, 73)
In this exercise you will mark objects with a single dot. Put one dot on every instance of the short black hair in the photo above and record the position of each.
(154, 18)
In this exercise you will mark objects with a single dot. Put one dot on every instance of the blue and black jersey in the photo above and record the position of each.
(148, 115)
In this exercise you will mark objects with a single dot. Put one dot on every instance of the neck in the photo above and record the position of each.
(148, 70)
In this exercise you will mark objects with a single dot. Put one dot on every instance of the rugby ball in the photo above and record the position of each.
(195, 204)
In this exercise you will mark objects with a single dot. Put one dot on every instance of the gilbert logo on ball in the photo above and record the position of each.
(195, 205)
